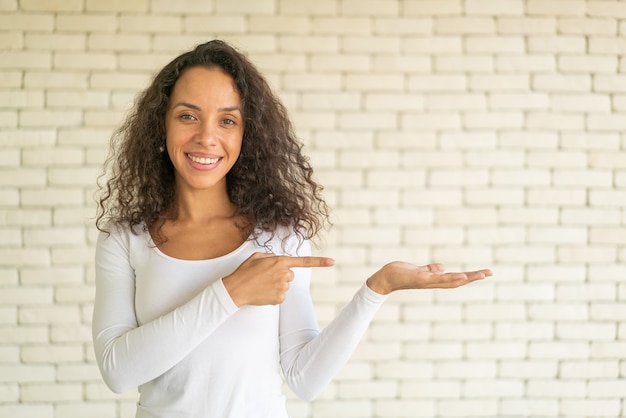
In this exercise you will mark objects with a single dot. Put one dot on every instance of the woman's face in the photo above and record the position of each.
(204, 128)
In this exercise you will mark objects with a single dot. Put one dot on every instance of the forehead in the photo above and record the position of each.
(205, 82)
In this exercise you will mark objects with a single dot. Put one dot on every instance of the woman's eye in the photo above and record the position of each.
(228, 122)
(187, 116)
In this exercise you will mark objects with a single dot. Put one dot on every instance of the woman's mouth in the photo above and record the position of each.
(202, 160)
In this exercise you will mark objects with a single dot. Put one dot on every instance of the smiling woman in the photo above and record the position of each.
(203, 260)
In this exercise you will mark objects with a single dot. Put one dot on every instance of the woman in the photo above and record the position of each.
(202, 278)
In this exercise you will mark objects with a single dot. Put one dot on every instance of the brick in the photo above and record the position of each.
(405, 140)
(401, 64)
(558, 350)
(219, 24)
(430, 389)
(603, 311)
(560, 311)
(116, 6)
(11, 237)
(382, 235)
(556, 7)
(611, 122)
(25, 217)
(590, 141)
(118, 42)
(341, 26)
(9, 158)
(432, 45)
(587, 64)
(494, 197)
(588, 407)
(589, 331)
(49, 315)
(501, 311)
(465, 369)
(434, 236)
(312, 82)
(68, 42)
(434, 351)
(527, 63)
(466, 63)
(467, 140)
(588, 369)
(494, 7)
(432, 7)
(54, 236)
(464, 25)
(44, 22)
(557, 44)
(429, 121)
(83, 99)
(528, 368)
(363, 120)
(455, 101)
(386, 177)
(605, 8)
(607, 235)
(48, 353)
(26, 60)
(435, 83)
(335, 63)
(402, 25)
(499, 82)
(369, 7)
(409, 332)
(150, 24)
(388, 101)
(558, 159)
(29, 410)
(534, 407)
(10, 78)
(526, 25)
(307, 8)
(557, 389)
(82, 409)
(55, 79)
(51, 6)
(374, 82)
(556, 121)
(562, 82)
(369, 198)
(73, 294)
(9, 393)
(22, 177)
(557, 235)
(339, 139)
(309, 43)
(21, 99)
(86, 22)
(55, 156)
(587, 26)
(278, 24)
(494, 45)
(512, 101)
(51, 392)
(590, 216)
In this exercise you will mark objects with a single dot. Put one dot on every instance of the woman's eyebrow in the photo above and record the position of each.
(189, 105)
(198, 108)
(229, 109)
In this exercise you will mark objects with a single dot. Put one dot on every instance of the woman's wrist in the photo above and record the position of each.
(378, 283)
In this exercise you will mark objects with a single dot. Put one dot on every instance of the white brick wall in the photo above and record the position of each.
(476, 133)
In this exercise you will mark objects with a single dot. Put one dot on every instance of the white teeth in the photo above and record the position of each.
(202, 160)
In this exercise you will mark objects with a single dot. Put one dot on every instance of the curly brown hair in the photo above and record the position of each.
(271, 184)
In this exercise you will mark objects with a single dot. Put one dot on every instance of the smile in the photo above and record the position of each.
(202, 160)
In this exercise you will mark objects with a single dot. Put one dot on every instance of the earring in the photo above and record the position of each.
(161, 148)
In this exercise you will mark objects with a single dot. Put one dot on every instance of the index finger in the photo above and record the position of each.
(308, 261)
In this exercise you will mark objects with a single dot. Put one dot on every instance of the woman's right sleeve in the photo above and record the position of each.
(130, 355)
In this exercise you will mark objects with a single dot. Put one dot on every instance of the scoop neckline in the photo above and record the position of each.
(234, 252)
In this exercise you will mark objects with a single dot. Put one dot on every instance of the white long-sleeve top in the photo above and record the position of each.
(170, 328)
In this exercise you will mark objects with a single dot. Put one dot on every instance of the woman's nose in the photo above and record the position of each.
(206, 133)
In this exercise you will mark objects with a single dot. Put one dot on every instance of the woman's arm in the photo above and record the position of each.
(129, 355)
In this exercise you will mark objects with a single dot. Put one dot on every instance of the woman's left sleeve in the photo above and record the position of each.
(311, 359)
